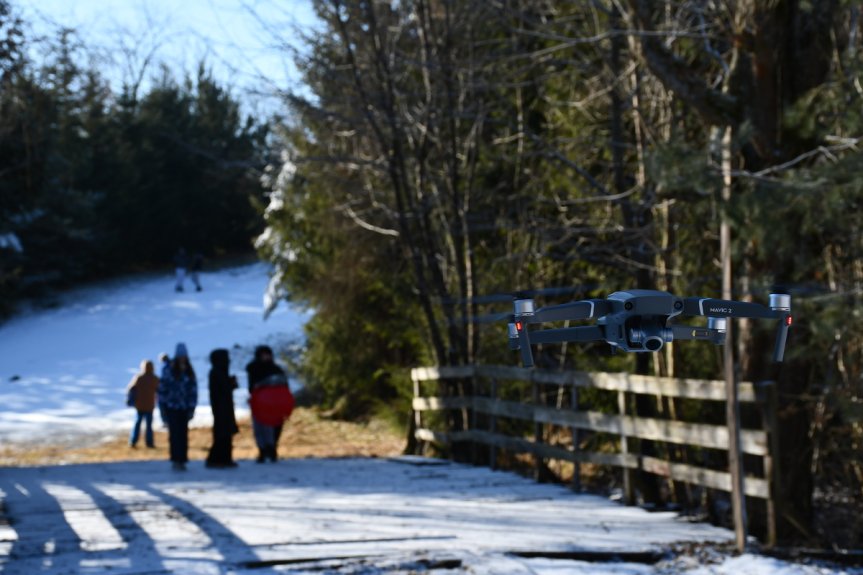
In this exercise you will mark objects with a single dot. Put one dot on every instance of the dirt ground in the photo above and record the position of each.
(307, 434)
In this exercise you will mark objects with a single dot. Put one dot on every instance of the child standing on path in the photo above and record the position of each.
(144, 386)
(178, 397)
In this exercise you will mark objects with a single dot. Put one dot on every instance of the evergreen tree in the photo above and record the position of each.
(96, 184)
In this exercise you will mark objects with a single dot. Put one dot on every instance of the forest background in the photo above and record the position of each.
(443, 155)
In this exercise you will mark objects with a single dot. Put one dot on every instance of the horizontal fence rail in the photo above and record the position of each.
(678, 432)
(667, 386)
(755, 442)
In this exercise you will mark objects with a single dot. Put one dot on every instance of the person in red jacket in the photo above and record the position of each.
(271, 401)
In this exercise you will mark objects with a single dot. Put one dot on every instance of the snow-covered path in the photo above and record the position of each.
(63, 371)
(355, 515)
(358, 516)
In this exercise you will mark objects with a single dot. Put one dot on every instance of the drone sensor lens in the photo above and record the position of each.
(653, 344)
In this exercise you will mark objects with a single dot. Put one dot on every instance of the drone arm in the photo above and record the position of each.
(688, 332)
(781, 338)
(568, 334)
(520, 338)
(726, 308)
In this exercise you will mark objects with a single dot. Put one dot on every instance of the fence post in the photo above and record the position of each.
(539, 473)
(418, 421)
(767, 399)
(735, 455)
(628, 483)
(576, 466)
(492, 428)
(472, 422)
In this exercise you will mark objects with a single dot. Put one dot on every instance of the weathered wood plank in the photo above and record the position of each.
(678, 432)
(755, 487)
(671, 387)
(432, 373)
(438, 403)
(522, 445)
(503, 408)
(442, 437)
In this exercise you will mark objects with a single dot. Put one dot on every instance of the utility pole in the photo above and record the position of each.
(732, 406)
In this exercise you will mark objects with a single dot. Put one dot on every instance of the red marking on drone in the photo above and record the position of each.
(518, 326)
(788, 320)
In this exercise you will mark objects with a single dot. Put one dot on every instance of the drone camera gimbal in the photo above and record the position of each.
(641, 321)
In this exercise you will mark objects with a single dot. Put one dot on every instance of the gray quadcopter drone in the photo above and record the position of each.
(641, 321)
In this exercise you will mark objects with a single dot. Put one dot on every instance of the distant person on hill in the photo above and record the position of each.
(181, 265)
(222, 386)
(271, 401)
(143, 389)
(178, 397)
(196, 267)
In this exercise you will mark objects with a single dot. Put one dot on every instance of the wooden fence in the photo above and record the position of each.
(476, 418)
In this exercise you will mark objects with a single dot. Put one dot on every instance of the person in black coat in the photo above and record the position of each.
(222, 386)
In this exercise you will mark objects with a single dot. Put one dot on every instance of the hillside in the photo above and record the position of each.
(64, 369)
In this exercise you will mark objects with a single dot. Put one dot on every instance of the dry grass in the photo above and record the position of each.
(307, 434)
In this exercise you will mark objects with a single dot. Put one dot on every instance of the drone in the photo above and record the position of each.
(641, 321)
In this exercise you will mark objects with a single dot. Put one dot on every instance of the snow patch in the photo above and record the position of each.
(10, 241)
(64, 371)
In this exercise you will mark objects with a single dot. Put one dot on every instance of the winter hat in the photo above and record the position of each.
(220, 359)
(261, 350)
(181, 351)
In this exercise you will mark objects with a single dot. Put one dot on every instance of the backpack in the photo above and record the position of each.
(272, 404)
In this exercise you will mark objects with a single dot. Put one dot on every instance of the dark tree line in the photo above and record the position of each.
(455, 151)
(95, 182)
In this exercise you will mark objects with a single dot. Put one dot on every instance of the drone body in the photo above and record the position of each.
(641, 321)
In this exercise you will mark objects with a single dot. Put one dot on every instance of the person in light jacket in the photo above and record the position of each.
(178, 398)
(144, 387)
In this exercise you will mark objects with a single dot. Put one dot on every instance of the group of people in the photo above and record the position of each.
(175, 392)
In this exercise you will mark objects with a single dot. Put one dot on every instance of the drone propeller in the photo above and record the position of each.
(507, 297)
(572, 311)
(490, 318)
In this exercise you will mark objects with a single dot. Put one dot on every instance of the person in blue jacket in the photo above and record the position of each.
(178, 397)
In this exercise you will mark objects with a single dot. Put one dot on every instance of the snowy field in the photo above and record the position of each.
(62, 377)
(63, 371)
